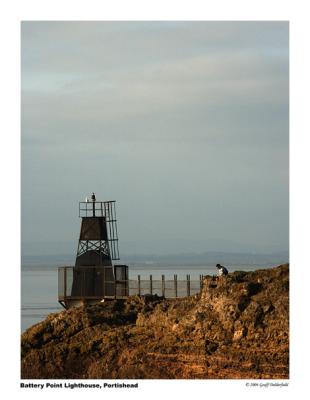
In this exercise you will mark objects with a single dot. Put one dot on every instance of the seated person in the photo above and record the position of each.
(221, 270)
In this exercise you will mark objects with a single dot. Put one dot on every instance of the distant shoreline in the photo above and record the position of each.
(200, 259)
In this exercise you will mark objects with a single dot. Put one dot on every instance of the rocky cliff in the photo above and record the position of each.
(238, 327)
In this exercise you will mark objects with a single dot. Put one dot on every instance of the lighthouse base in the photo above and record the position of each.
(78, 286)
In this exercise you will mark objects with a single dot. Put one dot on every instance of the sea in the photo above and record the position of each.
(39, 283)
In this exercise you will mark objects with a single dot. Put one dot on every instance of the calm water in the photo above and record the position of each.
(40, 286)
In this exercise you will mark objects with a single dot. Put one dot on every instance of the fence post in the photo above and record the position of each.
(102, 276)
(83, 284)
(139, 286)
(176, 285)
(115, 288)
(188, 282)
(163, 285)
(201, 277)
(151, 284)
(65, 282)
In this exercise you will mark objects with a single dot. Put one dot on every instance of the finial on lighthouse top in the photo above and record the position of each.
(93, 197)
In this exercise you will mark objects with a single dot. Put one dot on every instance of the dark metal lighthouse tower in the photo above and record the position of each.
(98, 241)
(94, 277)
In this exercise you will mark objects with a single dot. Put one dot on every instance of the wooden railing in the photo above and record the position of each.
(169, 288)
(91, 284)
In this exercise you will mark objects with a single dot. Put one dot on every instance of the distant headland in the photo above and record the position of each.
(203, 258)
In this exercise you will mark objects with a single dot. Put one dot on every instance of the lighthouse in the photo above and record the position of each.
(94, 277)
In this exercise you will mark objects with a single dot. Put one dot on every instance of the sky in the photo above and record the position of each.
(184, 124)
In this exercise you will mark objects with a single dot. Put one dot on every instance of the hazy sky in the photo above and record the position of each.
(184, 124)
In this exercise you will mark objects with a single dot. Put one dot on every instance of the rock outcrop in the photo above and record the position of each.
(238, 327)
